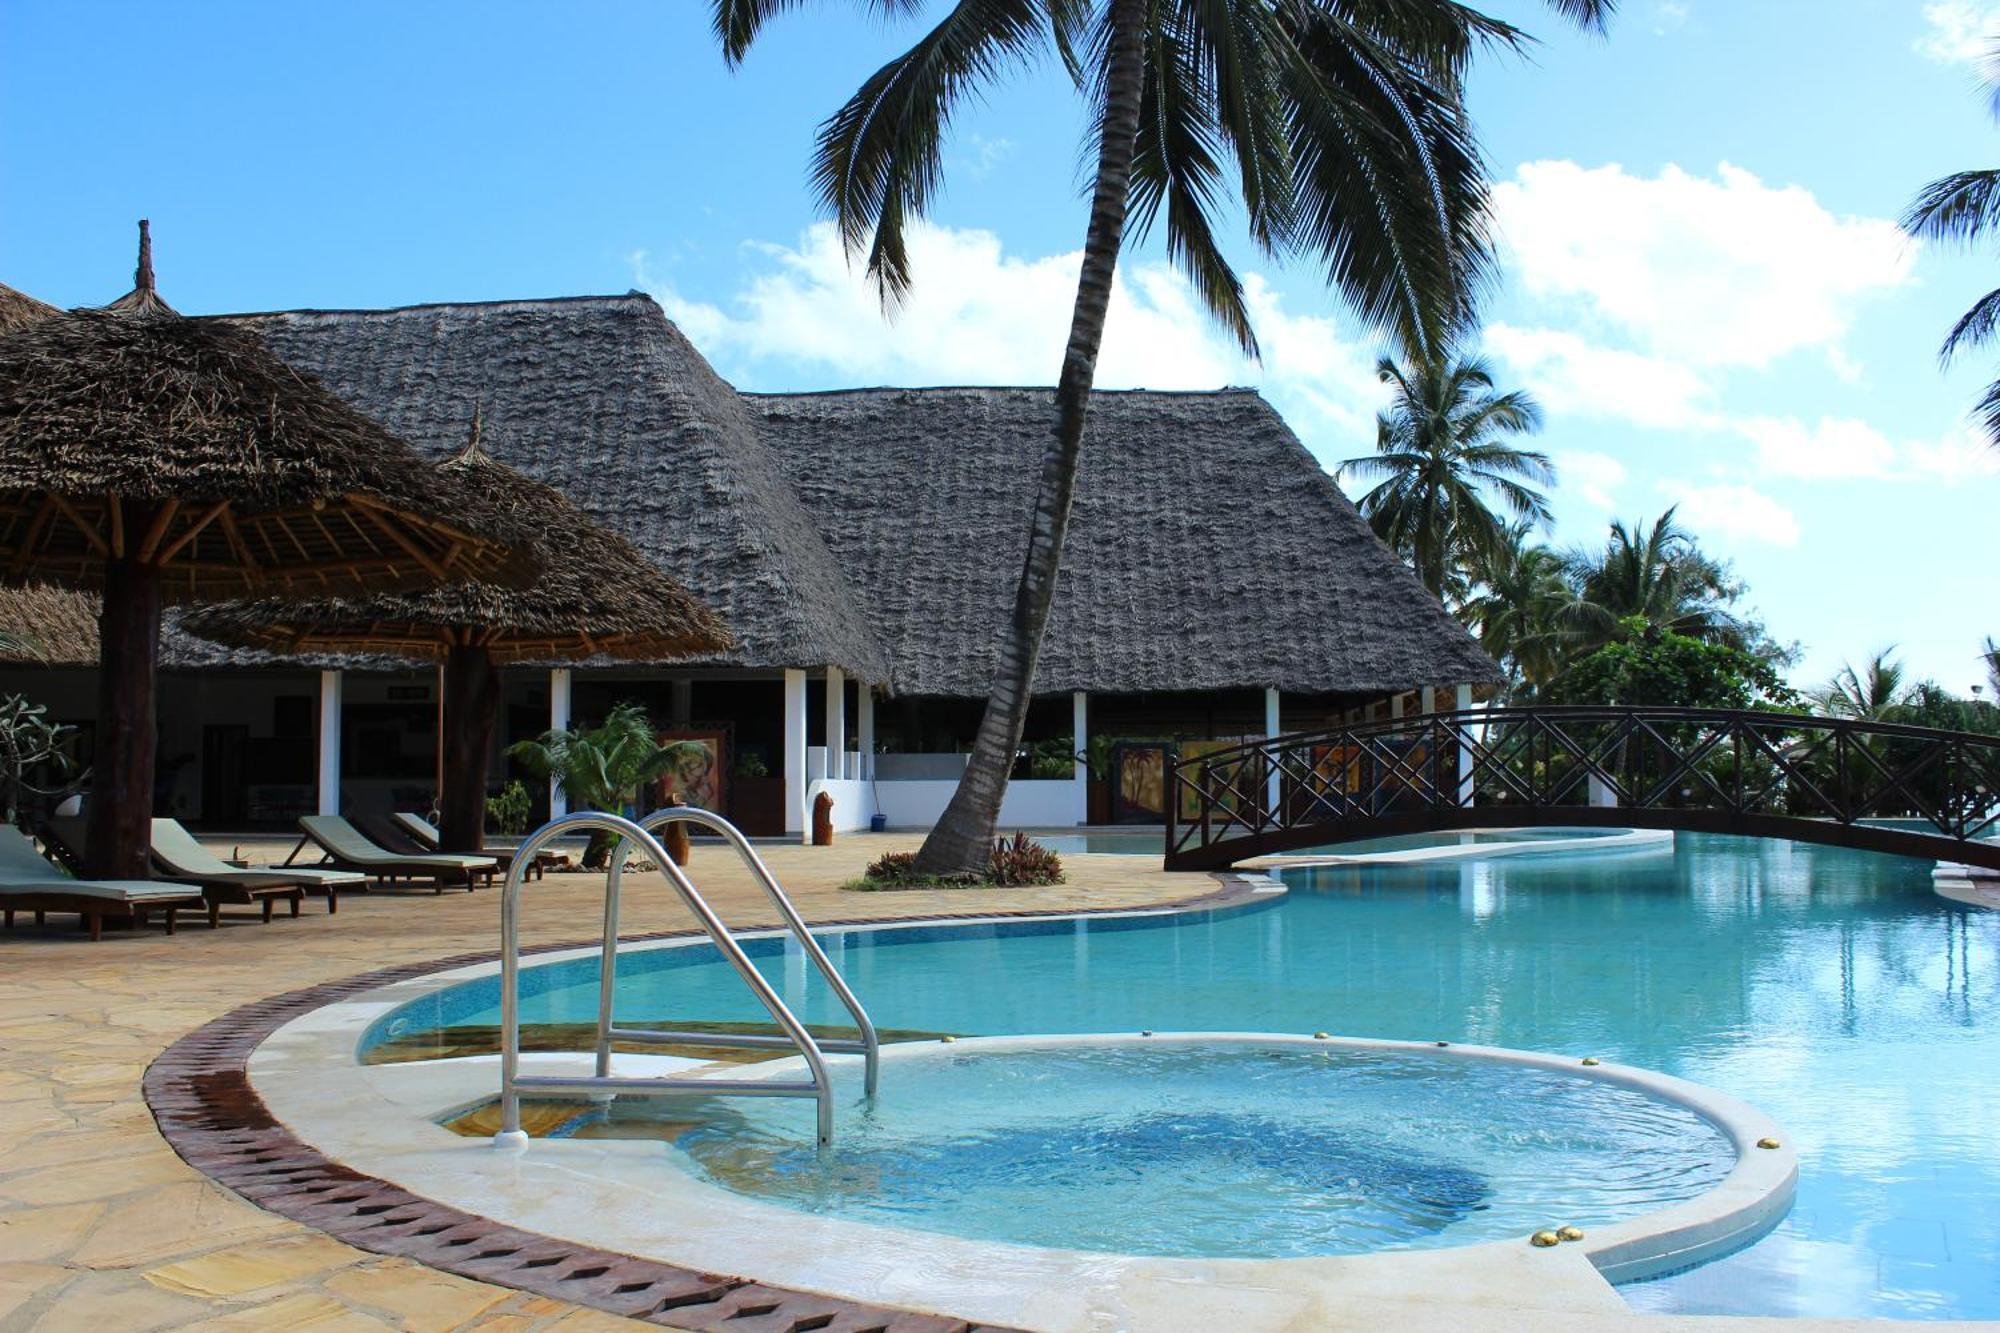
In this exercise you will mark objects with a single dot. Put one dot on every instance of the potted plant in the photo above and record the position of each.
(604, 768)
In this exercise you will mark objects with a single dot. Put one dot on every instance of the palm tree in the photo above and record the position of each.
(1339, 127)
(604, 768)
(1964, 207)
(1516, 608)
(1442, 453)
(1868, 694)
(1658, 575)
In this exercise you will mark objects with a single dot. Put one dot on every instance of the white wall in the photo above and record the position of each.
(852, 804)
(1033, 803)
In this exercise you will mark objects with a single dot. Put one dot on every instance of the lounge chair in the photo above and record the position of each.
(28, 883)
(346, 849)
(425, 835)
(182, 858)
(245, 888)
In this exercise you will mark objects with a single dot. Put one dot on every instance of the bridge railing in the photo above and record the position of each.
(1715, 769)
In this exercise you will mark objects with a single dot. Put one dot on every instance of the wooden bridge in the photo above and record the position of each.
(1773, 775)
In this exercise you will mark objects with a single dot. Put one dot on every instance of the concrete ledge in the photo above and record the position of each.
(1973, 886)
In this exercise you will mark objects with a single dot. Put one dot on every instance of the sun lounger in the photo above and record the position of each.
(28, 883)
(425, 835)
(181, 857)
(346, 849)
(244, 889)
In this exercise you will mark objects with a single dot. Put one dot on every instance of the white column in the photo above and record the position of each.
(795, 750)
(836, 722)
(1428, 700)
(1395, 705)
(558, 721)
(329, 742)
(1462, 701)
(864, 726)
(1273, 726)
(1079, 712)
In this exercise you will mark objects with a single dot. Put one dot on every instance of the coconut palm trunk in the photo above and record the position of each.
(471, 704)
(961, 840)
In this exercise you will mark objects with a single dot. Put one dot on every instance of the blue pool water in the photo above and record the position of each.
(1831, 989)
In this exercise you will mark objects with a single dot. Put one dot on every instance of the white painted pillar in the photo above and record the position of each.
(795, 750)
(558, 721)
(1079, 712)
(329, 742)
(1428, 700)
(1273, 726)
(836, 722)
(864, 727)
(1395, 705)
(1462, 701)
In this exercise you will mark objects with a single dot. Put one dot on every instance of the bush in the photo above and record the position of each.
(893, 867)
(510, 809)
(1023, 863)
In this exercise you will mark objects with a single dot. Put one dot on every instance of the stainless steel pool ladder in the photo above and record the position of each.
(793, 1033)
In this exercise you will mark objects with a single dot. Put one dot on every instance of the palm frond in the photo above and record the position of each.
(1960, 207)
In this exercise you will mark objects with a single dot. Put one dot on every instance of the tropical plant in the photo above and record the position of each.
(1868, 693)
(1340, 128)
(1650, 666)
(1516, 608)
(604, 768)
(509, 811)
(1442, 453)
(1658, 577)
(30, 742)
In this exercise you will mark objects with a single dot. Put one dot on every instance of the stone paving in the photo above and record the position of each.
(103, 1227)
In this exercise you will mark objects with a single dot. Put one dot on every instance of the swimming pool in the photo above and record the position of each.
(1831, 989)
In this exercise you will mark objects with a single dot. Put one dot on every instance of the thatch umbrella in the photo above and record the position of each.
(156, 459)
(597, 596)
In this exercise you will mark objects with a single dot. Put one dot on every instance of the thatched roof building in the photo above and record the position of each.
(880, 531)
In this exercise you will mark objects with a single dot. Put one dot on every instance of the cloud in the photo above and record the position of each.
(1962, 454)
(1569, 373)
(1830, 447)
(1593, 475)
(1959, 31)
(1707, 271)
(1736, 512)
(980, 315)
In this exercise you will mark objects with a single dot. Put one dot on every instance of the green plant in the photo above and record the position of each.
(1021, 862)
(28, 740)
(1096, 756)
(510, 809)
(604, 768)
(1051, 759)
(752, 765)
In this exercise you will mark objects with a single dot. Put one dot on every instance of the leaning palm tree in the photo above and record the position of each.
(1867, 693)
(1340, 128)
(1656, 575)
(1441, 450)
(1516, 609)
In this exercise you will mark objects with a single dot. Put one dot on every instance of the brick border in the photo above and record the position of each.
(203, 1103)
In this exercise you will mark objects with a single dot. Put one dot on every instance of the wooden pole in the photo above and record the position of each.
(119, 834)
(471, 703)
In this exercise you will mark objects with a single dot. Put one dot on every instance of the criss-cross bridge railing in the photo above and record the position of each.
(1777, 775)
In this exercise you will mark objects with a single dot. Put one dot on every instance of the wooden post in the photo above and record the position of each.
(471, 701)
(119, 833)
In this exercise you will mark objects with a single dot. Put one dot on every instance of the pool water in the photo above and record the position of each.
(1236, 1150)
(1830, 989)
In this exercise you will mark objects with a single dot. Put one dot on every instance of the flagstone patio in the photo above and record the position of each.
(102, 1226)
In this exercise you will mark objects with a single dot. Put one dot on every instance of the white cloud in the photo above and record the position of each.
(1959, 31)
(1593, 475)
(1667, 16)
(1707, 271)
(1830, 447)
(1736, 512)
(1569, 373)
(1962, 454)
(979, 315)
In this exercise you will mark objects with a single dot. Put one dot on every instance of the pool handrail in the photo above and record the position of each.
(817, 1085)
(866, 1044)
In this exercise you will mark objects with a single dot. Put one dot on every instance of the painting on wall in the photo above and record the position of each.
(699, 778)
(1139, 782)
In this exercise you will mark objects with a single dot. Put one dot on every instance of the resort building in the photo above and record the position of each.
(863, 548)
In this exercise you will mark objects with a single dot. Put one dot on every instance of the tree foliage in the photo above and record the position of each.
(606, 767)
(1651, 666)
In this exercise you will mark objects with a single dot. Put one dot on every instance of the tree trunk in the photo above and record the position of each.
(962, 841)
(118, 837)
(471, 700)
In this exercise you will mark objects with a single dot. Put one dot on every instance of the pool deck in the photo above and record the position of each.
(103, 1226)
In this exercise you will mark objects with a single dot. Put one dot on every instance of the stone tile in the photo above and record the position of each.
(28, 1234)
(239, 1271)
(104, 1179)
(595, 1321)
(421, 1299)
(21, 1283)
(168, 1222)
(115, 1301)
(302, 1310)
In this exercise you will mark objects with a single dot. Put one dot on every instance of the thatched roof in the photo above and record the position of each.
(882, 530)
(61, 623)
(18, 308)
(1207, 549)
(606, 400)
(596, 596)
(241, 474)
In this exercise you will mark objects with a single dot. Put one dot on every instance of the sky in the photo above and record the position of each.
(1702, 280)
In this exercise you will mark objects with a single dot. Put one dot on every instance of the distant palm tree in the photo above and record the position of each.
(1989, 655)
(1964, 207)
(1442, 453)
(1867, 694)
(1657, 574)
(1516, 609)
(1340, 128)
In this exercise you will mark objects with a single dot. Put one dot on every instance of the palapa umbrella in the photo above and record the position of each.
(596, 596)
(157, 459)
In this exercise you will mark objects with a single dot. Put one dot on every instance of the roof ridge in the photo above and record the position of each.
(1220, 390)
(601, 299)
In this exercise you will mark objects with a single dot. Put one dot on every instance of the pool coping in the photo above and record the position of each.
(205, 1107)
(1623, 840)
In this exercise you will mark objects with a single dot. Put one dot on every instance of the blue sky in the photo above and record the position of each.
(1702, 278)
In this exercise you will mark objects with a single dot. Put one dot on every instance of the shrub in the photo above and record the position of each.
(509, 810)
(1021, 862)
(893, 867)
